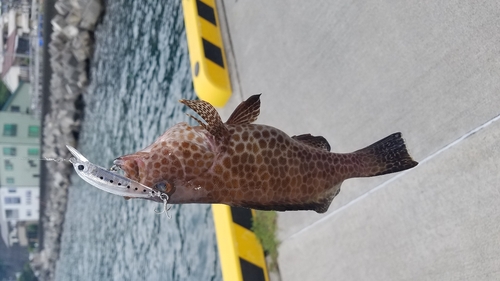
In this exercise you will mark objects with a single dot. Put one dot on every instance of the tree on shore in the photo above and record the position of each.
(4, 93)
(27, 274)
(3, 268)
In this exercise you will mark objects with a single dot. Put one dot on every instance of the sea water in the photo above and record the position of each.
(140, 69)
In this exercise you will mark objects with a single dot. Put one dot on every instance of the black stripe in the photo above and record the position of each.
(213, 53)
(242, 216)
(251, 272)
(206, 12)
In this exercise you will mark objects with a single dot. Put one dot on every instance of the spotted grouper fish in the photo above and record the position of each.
(255, 166)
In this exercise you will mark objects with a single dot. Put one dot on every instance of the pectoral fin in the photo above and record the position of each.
(208, 113)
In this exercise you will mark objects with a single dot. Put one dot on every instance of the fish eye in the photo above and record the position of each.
(81, 167)
(162, 186)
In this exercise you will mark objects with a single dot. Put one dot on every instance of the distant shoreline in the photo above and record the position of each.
(49, 12)
(68, 37)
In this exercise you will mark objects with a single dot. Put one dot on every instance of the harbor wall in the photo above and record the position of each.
(68, 35)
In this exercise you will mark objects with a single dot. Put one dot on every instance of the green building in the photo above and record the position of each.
(19, 166)
(19, 141)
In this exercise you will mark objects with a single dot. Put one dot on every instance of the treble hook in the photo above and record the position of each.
(164, 197)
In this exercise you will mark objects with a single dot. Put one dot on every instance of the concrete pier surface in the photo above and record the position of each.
(355, 72)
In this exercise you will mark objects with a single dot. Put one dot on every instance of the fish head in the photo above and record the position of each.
(180, 154)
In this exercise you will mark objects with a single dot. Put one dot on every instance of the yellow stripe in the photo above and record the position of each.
(235, 242)
(226, 242)
(211, 82)
(248, 246)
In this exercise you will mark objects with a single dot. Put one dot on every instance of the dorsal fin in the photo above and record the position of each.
(206, 111)
(247, 112)
(314, 141)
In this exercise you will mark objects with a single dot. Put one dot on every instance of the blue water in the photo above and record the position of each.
(140, 70)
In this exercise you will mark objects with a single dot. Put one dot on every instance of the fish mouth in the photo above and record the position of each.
(130, 166)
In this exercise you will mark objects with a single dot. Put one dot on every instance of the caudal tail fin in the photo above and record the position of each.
(388, 155)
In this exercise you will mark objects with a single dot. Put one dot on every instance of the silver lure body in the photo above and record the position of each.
(109, 181)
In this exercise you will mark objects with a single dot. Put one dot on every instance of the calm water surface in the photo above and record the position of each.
(140, 71)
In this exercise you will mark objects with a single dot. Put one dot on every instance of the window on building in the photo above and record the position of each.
(8, 165)
(28, 197)
(15, 108)
(12, 200)
(12, 190)
(32, 163)
(12, 214)
(9, 151)
(33, 131)
(33, 151)
(28, 213)
(10, 130)
(9, 180)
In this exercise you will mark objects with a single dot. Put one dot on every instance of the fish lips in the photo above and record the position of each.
(131, 165)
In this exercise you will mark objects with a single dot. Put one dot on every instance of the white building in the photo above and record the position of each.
(17, 204)
(15, 26)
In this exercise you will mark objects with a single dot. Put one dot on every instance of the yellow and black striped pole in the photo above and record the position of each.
(241, 254)
(206, 52)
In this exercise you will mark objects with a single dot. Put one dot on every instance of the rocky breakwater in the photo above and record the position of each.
(70, 50)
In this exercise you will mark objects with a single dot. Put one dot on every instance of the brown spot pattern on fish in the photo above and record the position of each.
(255, 166)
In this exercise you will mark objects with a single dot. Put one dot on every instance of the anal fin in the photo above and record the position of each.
(314, 141)
(319, 207)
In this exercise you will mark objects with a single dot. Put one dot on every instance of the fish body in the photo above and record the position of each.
(255, 166)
